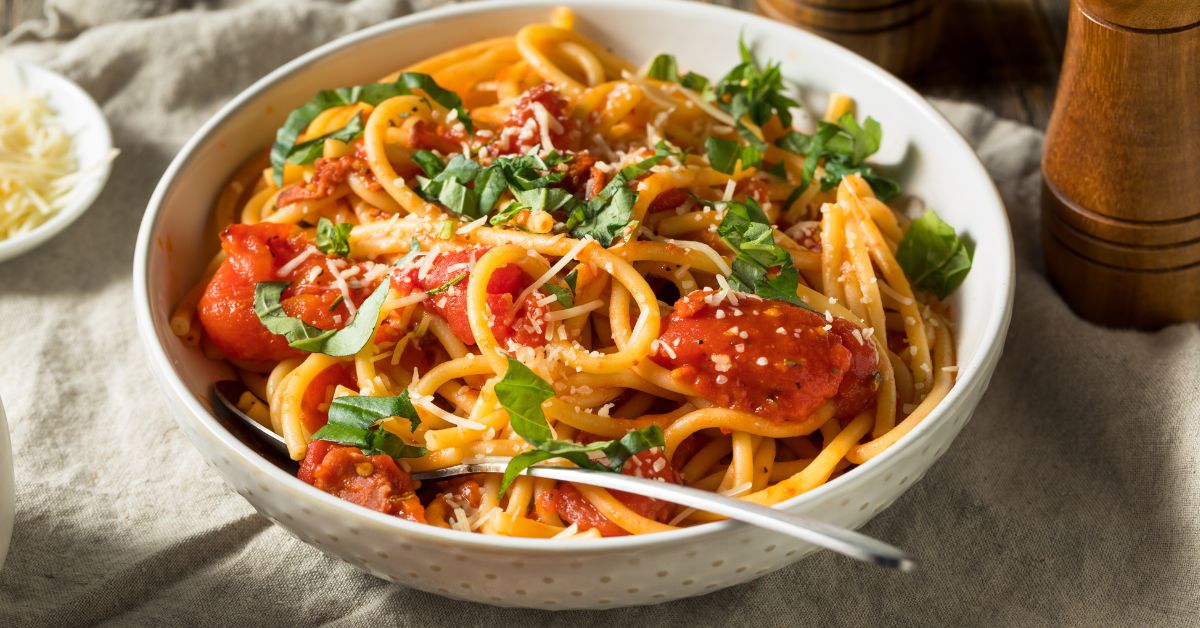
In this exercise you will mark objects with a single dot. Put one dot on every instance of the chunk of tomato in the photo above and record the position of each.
(373, 482)
(525, 326)
(255, 253)
(523, 129)
(769, 358)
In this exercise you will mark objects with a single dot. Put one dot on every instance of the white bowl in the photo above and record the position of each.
(91, 143)
(931, 158)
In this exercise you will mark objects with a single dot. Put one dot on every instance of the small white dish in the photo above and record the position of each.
(91, 143)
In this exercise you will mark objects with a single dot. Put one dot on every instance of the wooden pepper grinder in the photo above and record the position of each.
(1121, 166)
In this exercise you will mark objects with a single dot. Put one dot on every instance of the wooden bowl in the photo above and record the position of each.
(898, 35)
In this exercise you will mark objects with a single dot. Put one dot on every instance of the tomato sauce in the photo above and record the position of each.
(522, 130)
(573, 507)
(526, 326)
(769, 358)
(328, 173)
(374, 482)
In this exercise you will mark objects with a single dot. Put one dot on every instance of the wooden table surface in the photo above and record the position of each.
(1002, 54)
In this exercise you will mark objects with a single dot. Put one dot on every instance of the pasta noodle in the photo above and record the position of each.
(617, 261)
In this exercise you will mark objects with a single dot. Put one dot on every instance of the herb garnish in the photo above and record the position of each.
(333, 239)
(565, 296)
(356, 421)
(285, 148)
(932, 255)
(761, 267)
(521, 393)
(607, 214)
(300, 335)
(724, 154)
(843, 146)
(446, 286)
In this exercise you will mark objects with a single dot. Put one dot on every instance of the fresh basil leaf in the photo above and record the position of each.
(458, 198)
(383, 441)
(372, 94)
(933, 256)
(521, 393)
(348, 340)
(884, 188)
(755, 92)
(308, 152)
(724, 154)
(695, 82)
(333, 239)
(616, 452)
(506, 214)
(545, 199)
(489, 185)
(663, 68)
(344, 435)
(843, 146)
(414, 247)
(446, 286)
(354, 420)
(430, 163)
(365, 412)
(760, 266)
(571, 278)
(607, 214)
(563, 295)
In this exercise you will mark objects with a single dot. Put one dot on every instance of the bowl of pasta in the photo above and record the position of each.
(698, 253)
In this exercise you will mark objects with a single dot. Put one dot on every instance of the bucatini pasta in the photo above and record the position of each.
(528, 248)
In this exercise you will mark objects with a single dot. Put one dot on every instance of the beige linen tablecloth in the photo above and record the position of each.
(1072, 497)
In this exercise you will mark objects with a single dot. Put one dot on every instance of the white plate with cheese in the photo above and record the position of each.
(57, 157)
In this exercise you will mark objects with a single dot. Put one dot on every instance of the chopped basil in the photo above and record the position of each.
(663, 68)
(521, 393)
(565, 296)
(447, 230)
(724, 154)
(336, 302)
(843, 146)
(355, 421)
(932, 255)
(469, 189)
(430, 163)
(446, 286)
(607, 214)
(571, 278)
(372, 94)
(752, 91)
(562, 295)
(348, 340)
(333, 239)
(414, 247)
(760, 267)
(307, 152)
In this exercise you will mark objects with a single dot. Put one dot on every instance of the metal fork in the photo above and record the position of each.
(841, 540)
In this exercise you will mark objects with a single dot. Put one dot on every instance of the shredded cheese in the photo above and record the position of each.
(38, 170)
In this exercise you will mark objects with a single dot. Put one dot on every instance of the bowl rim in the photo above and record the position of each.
(94, 118)
(974, 374)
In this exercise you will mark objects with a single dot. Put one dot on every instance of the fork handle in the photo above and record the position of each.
(841, 540)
